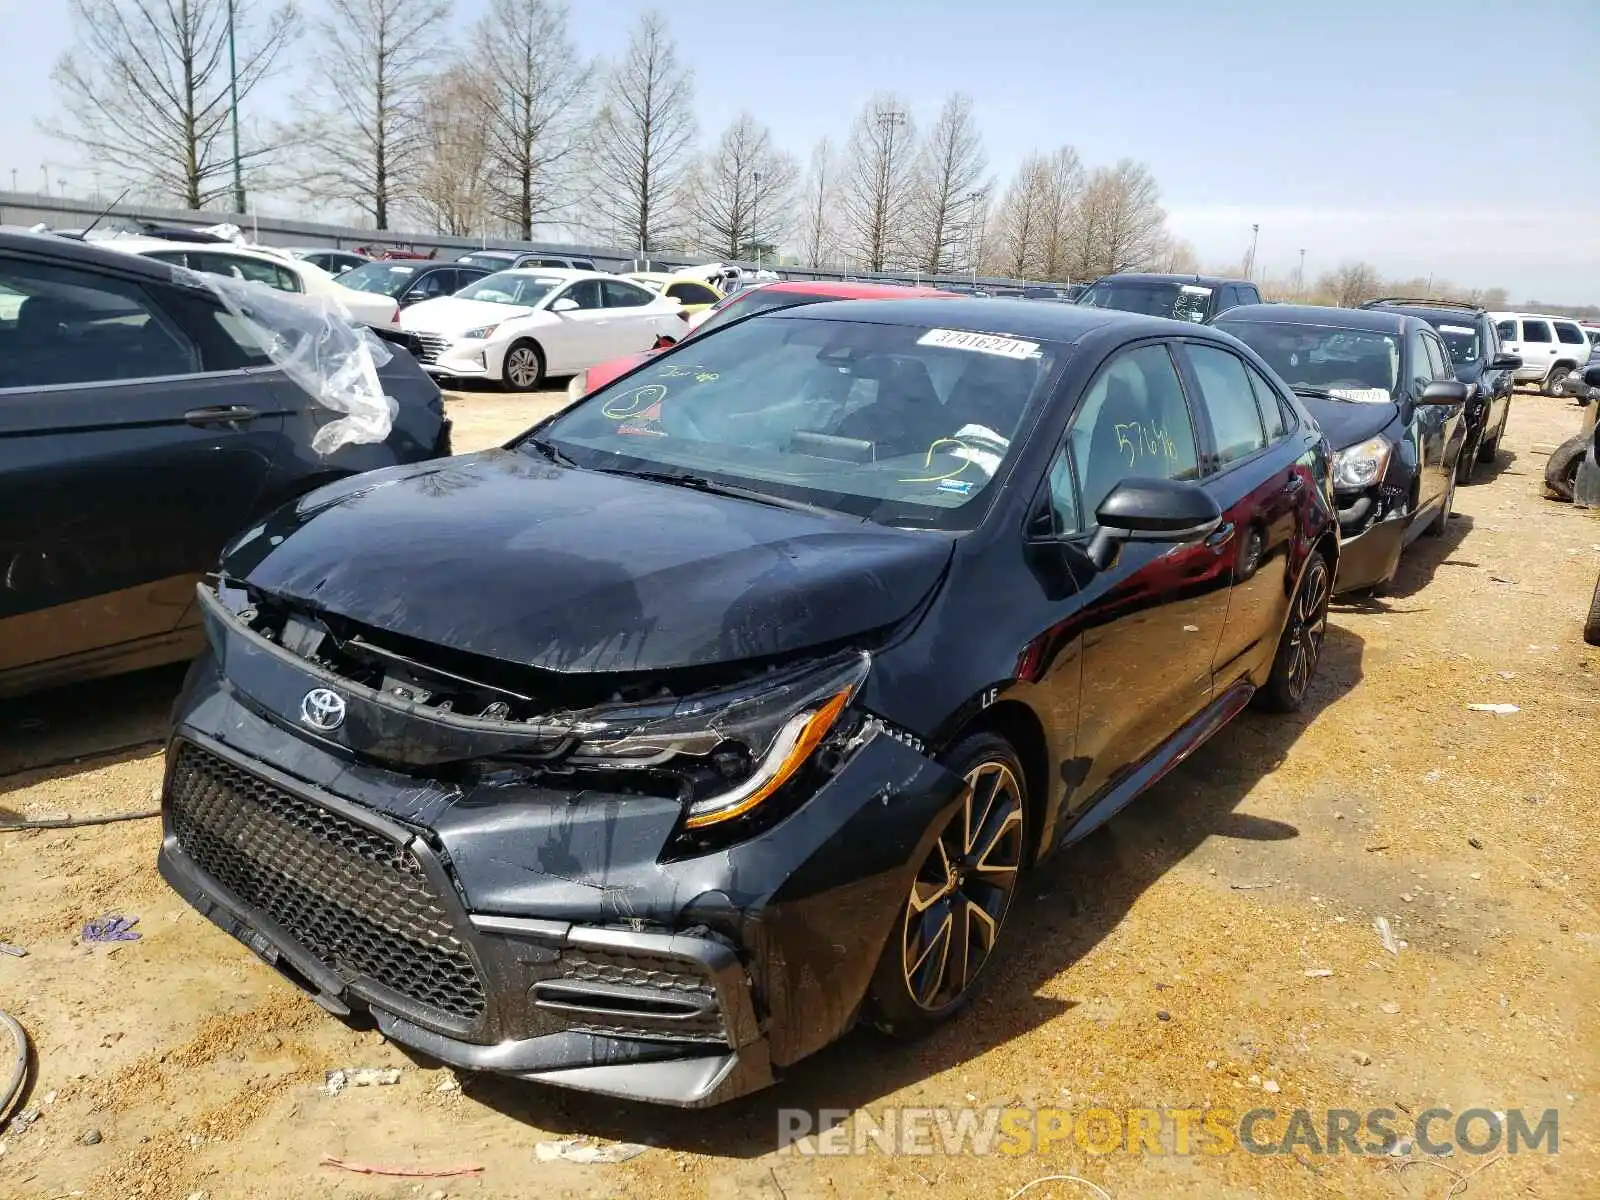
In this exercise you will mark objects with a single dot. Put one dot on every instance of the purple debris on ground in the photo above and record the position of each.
(113, 927)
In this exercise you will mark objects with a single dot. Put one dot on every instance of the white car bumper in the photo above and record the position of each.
(460, 358)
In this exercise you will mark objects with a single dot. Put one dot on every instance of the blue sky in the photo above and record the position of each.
(1399, 133)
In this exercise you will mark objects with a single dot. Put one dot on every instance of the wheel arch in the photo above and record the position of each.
(530, 339)
(1023, 731)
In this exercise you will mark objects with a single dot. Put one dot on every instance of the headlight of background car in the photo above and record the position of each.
(734, 749)
(481, 331)
(577, 386)
(1362, 466)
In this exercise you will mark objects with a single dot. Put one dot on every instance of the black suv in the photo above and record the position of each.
(409, 283)
(140, 427)
(1488, 371)
(1196, 298)
(711, 721)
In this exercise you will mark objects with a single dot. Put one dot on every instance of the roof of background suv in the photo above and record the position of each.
(1165, 277)
(1374, 320)
(88, 253)
(1427, 312)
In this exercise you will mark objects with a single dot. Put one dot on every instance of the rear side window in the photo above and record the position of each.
(1248, 294)
(1270, 404)
(1230, 401)
(623, 295)
(1536, 331)
(1570, 334)
(1438, 358)
(59, 325)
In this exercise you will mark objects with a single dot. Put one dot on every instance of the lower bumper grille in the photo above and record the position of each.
(356, 899)
(633, 994)
(431, 346)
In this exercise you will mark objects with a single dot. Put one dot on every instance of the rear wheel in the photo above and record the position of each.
(1591, 624)
(524, 369)
(1471, 456)
(1552, 381)
(1436, 527)
(1300, 647)
(1561, 470)
(950, 922)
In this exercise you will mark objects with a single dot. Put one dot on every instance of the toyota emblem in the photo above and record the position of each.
(322, 709)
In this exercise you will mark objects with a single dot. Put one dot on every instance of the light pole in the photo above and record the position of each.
(233, 110)
(1300, 276)
(1250, 263)
(973, 199)
(755, 236)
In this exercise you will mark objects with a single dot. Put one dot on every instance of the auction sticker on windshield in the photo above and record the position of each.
(983, 343)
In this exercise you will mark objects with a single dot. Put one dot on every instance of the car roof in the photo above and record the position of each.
(1502, 316)
(1165, 277)
(557, 273)
(1373, 320)
(1424, 312)
(88, 253)
(1019, 318)
(851, 290)
(139, 244)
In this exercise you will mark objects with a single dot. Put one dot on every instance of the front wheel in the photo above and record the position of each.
(950, 922)
(524, 369)
(1300, 647)
(1552, 381)
(1470, 456)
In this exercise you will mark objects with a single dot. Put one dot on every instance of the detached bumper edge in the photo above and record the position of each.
(1371, 556)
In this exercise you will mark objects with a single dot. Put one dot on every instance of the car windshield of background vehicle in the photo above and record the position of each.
(755, 300)
(380, 278)
(1462, 341)
(1179, 301)
(899, 424)
(1356, 364)
(510, 287)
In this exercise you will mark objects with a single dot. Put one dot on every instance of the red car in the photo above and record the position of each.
(753, 300)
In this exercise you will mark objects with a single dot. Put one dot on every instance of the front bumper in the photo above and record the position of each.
(1370, 541)
(463, 358)
(533, 932)
(1573, 385)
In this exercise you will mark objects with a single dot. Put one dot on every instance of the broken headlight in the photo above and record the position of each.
(748, 742)
(1362, 466)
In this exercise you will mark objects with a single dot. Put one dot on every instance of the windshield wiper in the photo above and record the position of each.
(549, 450)
(714, 487)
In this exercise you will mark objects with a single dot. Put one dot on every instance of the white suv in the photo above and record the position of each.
(1551, 348)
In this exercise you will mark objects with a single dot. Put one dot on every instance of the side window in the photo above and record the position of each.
(1230, 400)
(623, 295)
(1063, 496)
(1569, 333)
(1227, 298)
(1270, 404)
(1536, 331)
(1248, 294)
(1438, 358)
(1133, 421)
(585, 293)
(434, 283)
(692, 293)
(60, 325)
(288, 281)
(1507, 331)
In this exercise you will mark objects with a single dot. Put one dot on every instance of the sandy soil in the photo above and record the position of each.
(1265, 857)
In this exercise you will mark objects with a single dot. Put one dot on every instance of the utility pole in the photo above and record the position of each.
(973, 199)
(1300, 275)
(755, 234)
(233, 110)
(1250, 262)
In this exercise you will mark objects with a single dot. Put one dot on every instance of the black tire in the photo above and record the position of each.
(1491, 447)
(1436, 527)
(524, 367)
(1561, 469)
(1552, 381)
(1300, 646)
(1470, 457)
(1591, 623)
(966, 885)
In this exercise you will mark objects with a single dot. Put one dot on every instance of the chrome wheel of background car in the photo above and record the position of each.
(524, 367)
(1552, 381)
(963, 890)
(1308, 627)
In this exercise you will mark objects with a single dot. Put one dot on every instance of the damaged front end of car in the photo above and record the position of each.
(662, 886)
(1373, 512)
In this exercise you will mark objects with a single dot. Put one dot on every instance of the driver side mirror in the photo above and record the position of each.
(1445, 391)
(565, 304)
(1506, 362)
(1152, 510)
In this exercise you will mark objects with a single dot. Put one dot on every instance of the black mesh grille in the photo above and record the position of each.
(671, 978)
(356, 899)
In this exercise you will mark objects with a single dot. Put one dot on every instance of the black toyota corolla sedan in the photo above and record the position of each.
(648, 754)
(1383, 387)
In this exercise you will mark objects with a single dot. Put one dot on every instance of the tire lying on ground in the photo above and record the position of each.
(1591, 625)
(1561, 471)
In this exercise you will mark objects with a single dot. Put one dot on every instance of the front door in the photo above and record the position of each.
(1259, 490)
(125, 464)
(1539, 348)
(1435, 424)
(1151, 621)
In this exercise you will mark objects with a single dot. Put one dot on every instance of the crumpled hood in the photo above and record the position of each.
(510, 556)
(1350, 422)
(453, 316)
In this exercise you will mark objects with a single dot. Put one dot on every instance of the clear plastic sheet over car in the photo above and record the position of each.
(317, 344)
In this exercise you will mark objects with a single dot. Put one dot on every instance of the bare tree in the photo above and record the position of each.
(819, 235)
(360, 124)
(535, 85)
(949, 175)
(744, 192)
(1064, 186)
(877, 191)
(1351, 284)
(1024, 221)
(643, 139)
(1120, 224)
(1176, 257)
(453, 187)
(145, 90)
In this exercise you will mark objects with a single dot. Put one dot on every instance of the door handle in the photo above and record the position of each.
(220, 414)
(1221, 537)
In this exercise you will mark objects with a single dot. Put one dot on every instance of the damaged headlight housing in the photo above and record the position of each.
(747, 743)
(1362, 466)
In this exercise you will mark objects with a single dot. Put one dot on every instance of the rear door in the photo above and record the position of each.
(1259, 486)
(133, 443)
(1539, 347)
(580, 339)
(638, 316)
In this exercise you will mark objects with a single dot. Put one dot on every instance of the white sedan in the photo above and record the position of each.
(520, 327)
(278, 270)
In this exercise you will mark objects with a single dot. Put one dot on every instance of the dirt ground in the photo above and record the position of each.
(1179, 958)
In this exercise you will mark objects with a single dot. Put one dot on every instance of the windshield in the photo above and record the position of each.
(1462, 340)
(754, 300)
(510, 287)
(1180, 301)
(898, 424)
(1357, 364)
(380, 278)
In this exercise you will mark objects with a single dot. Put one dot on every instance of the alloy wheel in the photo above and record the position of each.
(522, 366)
(963, 890)
(1308, 626)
